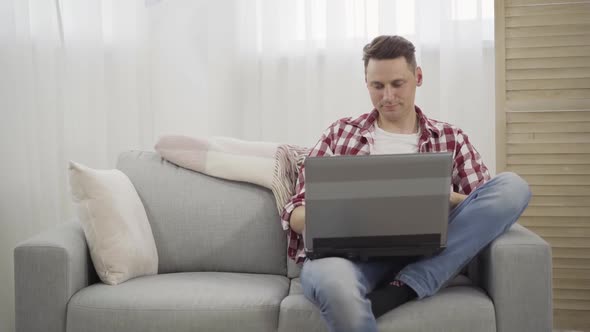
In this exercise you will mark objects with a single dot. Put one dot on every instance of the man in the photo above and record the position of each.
(351, 294)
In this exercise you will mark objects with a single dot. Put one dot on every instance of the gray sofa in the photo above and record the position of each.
(223, 267)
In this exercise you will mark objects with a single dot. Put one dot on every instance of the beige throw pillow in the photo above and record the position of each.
(115, 224)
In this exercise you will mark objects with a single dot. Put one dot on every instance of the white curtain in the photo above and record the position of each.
(87, 79)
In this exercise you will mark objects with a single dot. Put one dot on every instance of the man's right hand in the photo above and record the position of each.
(297, 221)
(456, 199)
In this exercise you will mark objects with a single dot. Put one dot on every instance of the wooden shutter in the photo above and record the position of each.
(543, 134)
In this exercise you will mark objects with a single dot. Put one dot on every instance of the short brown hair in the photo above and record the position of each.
(390, 47)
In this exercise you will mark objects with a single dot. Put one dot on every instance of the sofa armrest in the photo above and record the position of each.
(515, 270)
(48, 269)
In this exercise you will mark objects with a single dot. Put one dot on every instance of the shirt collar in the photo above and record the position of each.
(366, 123)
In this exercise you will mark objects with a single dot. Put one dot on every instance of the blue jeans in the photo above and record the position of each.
(339, 286)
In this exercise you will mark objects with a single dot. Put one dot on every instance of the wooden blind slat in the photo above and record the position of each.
(552, 190)
(572, 319)
(571, 283)
(513, 3)
(571, 304)
(548, 73)
(548, 52)
(547, 148)
(549, 138)
(545, 221)
(548, 31)
(567, 242)
(547, 104)
(568, 294)
(571, 116)
(572, 253)
(570, 8)
(571, 180)
(558, 211)
(550, 169)
(582, 127)
(554, 96)
(574, 159)
(561, 231)
(572, 273)
(572, 263)
(547, 20)
(536, 84)
(547, 41)
(561, 201)
(548, 62)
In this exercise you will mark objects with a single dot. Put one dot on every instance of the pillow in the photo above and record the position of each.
(115, 224)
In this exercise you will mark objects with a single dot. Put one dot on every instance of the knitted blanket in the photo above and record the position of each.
(271, 165)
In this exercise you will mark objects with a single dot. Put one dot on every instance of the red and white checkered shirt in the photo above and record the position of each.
(349, 136)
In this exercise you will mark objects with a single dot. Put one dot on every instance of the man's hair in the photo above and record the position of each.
(390, 47)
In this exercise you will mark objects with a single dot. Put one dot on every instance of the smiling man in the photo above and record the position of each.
(352, 294)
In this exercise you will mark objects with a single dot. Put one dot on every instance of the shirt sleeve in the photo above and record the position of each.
(322, 148)
(469, 171)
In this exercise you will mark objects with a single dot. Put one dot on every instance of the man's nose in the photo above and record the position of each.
(389, 93)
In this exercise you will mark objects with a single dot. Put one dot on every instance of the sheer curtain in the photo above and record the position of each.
(86, 79)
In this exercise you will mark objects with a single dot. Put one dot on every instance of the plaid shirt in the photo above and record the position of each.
(355, 137)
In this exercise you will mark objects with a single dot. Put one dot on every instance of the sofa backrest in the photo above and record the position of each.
(202, 223)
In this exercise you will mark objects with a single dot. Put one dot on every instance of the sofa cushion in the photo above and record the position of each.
(199, 301)
(293, 269)
(299, 314)
(459, 307)
(202, 223)
(460, 280)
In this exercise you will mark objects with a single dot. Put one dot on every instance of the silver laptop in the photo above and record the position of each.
(377, 205)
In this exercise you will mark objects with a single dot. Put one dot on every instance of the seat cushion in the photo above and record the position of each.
(199, 301)
(456, 308)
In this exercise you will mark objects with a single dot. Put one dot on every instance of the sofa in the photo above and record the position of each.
(223, 267)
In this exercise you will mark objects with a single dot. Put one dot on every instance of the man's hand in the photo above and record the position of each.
(297, 221)
(456, 199)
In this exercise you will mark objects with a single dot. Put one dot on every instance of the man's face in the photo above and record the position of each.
(392, 86)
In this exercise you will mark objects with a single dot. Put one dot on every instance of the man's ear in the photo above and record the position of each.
(418, 74)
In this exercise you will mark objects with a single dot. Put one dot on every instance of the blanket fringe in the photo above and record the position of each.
(288, 160)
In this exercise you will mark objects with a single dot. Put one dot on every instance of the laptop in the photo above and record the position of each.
(361, 207)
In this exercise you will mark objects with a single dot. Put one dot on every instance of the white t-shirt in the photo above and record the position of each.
(390, 143)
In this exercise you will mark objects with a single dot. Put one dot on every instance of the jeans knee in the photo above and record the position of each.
(332, 278)
(515, 192)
